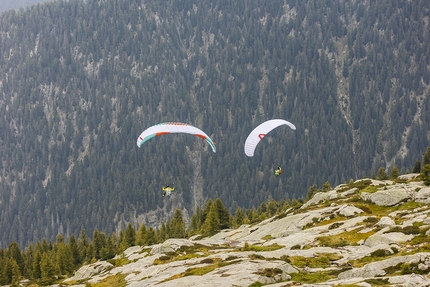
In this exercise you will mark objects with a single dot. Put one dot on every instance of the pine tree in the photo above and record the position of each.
(108, 251)
(426, 157)
(223, 215)
(212, 223)
(64, 258)
(150, 237)
(238, 217)
(140, 236)
(417, 167)
(14, 252)
(83, 245)
(36, 272)
(74, 251)
(177, 225)
(129, 237)
(99, 241)
(394, 172)
(194, 225)
(425, 174)
(382, 174)
(11, 274)
(47, 269)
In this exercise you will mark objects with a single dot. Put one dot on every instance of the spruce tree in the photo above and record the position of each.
(74, 251)
(140, 236)
(425, 174)
(150, 237)
(417, 167)
(64, 258)
(14, 252)
(394, 172)
(426, 157)
(238, 217)
(177, 225)
(129, 236)
(47, 269)
(382, 174)
(223, 215)
(108, 251)
(212, 223)
(37, 258)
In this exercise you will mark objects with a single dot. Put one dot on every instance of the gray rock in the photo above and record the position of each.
(349, 211)
(88, 271)
(386, 222)
(170, 245)
(349, 192)
(321, 196)
(387, 197)
(387, 238)
(423, 195)
(375, 269)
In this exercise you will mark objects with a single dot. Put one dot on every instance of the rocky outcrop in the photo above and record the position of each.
(339, 228)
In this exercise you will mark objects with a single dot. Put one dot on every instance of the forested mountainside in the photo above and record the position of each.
(17, 4)
(80, 80)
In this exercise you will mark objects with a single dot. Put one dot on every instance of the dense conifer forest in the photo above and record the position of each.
(80, 80)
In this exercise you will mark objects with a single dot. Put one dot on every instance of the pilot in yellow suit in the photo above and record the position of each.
(167, 190)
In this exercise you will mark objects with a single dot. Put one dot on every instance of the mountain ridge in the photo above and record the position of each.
(80, 80)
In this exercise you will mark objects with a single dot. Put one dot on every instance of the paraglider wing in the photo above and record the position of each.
(172, 127)
(260, 132)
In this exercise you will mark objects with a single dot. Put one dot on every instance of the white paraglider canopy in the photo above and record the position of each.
(260, 132)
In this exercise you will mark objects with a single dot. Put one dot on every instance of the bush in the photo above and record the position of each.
(411, 229)
(379, 253)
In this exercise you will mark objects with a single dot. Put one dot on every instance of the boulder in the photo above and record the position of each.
(321, 196)
(423, 195)
(386, 222)
(387, 238)
(349, 192)
(387, 197)
(90, 270)
(170, 245)
(349, 210)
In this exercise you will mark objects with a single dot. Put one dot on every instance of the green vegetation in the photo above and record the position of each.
(260, 248)
(309, 278)
(117, 280)
(322, 260)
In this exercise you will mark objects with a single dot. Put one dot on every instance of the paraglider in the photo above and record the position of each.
(260, 132)
(167, 190)
(172, 127)
(278, 171)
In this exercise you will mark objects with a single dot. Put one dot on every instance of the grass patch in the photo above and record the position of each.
(309, 278)
(334, 219)
(256, 284)
(260, 248)
(256, 257)
(267, 237)
(377, 281)
(117, 280)
(199, 271)
(322, 260)
(119, 261)
(269, 272)
(375, 256)
(344, 238)
(183, 253)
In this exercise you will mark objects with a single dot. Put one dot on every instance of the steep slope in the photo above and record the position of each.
(369, 231)
(80, 80)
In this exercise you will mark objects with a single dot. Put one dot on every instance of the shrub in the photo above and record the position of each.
(411, 229)
(379, 253)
